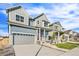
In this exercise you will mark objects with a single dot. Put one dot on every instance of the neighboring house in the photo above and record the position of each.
(56, 27)
(71, 35)
(26, 30)
(76, 38)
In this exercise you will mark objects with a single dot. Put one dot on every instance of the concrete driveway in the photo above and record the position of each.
(26, 50)
(35, 50)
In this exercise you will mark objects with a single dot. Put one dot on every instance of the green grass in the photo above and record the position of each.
(67, 45)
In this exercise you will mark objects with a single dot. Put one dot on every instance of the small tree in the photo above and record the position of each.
(52, 37)
(61, 33)
(62, 38)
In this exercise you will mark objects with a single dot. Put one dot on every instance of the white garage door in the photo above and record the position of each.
(24, 39)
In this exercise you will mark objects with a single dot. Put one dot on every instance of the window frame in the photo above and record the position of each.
(19, 18)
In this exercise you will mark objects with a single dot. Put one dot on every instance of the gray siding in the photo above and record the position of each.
(23, 38)
(23, 30)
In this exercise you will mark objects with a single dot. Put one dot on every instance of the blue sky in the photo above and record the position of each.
(66, 13)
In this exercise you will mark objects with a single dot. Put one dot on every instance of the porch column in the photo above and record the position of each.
(39, 35)
(44, 35)
(68, 38)
(58, 37)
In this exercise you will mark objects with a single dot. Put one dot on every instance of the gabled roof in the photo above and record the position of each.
(39, 16)
(18, 7)
(55, 23)
(67, 31)
(13, 8)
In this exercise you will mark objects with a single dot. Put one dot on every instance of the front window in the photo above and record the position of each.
(19, 18)
(38, 22)
(45, 24)
(56, 28)
(22, 19)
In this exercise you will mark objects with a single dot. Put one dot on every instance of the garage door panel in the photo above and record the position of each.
(24, 39)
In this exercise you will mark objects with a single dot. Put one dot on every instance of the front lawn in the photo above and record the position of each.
(67, 45)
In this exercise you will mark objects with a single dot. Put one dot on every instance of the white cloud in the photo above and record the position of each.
(3, 11)
(3, 33)
(69, 20)
(70, 24)
(57, 11)
(36, 11)
(64, 11)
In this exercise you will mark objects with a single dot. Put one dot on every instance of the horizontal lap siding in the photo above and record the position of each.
(23, 30)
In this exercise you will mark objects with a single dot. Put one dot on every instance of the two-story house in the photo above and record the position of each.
(26, 30)
(56, 27)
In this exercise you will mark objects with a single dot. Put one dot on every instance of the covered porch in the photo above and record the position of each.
(43, 35)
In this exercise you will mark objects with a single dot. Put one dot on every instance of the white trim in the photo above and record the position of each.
(23, 33)
(35, 36)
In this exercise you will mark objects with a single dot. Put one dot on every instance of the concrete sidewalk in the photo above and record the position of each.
(26, 50)
(46, 51)
(73, 52)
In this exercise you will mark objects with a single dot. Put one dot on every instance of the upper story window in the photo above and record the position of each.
(56, 28)
(38, 22)
(19, 18)
(45, 24)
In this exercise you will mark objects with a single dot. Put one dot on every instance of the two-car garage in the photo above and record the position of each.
(23, 38)
(23, 35)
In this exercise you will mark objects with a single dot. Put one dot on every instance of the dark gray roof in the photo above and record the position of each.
(39, 16)
(13, 8)
(55, 23)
